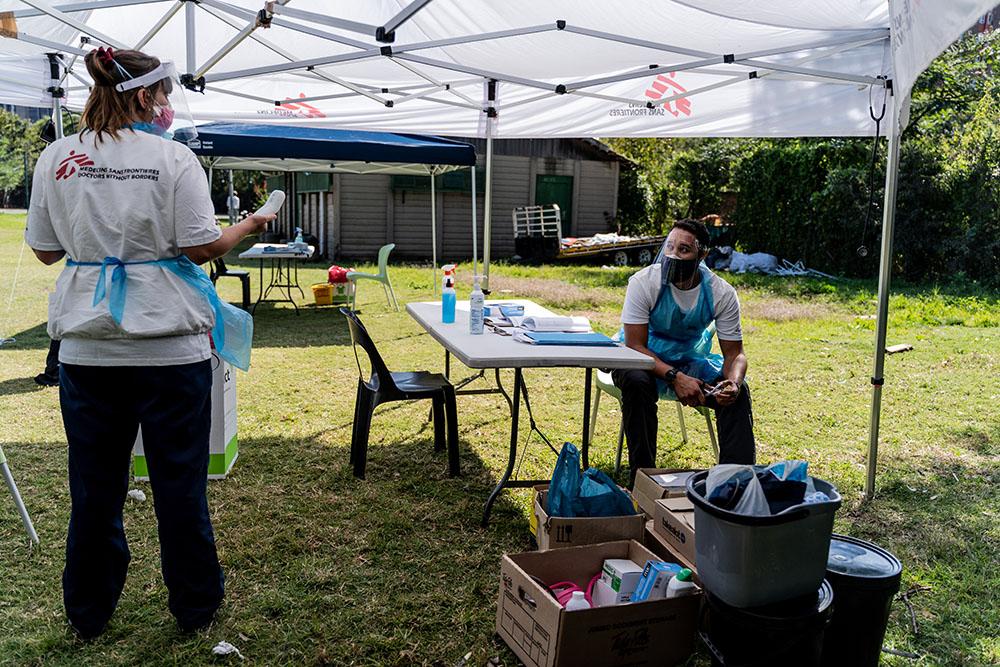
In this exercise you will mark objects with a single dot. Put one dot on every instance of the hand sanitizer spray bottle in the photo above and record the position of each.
(448, 294)
(476, 302)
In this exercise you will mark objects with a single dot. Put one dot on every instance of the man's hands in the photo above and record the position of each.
(725, 392)
(688, 390)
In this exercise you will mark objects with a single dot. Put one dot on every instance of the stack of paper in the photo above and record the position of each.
(556, 323)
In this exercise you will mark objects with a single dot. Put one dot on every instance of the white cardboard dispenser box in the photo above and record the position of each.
(673, 520)
(543, 634)
(223, 446)
(553, 532)
(651, 484)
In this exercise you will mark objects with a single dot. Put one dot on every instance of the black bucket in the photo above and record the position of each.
(776, 635)
(865, 578)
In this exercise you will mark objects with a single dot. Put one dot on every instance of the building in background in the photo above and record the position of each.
(354, 215)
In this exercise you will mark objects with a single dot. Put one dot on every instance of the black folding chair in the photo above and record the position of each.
(220, 270)
(385, 386)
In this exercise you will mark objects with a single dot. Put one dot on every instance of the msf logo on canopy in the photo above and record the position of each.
(292, 108)
(70, 164)
(665, 86)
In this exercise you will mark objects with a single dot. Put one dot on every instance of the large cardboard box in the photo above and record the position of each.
(558, 532)
(651, 484)
(543, 634)
(658, 544)
(674, 519)
(223, 447)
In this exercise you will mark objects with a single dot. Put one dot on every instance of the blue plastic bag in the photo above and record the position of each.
(573, 493)
(564, 488)
(600, 496)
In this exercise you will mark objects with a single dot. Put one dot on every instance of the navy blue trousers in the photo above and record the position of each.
(102, 408)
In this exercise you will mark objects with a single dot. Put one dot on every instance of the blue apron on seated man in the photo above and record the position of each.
(669, 312)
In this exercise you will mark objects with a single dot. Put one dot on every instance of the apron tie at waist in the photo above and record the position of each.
(119, 283)
(234, 347)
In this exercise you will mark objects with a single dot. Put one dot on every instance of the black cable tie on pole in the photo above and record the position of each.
(653, 66)
(878, 382)
(56, 92)
(491, 90)
(385, 91)
(753, 74)
(729, 58)
(264, 18)
(649, 105)
(561, 89)
(389, 104)
(560, 25)
(888, 86)
(491, 112)
(383, 35)
(191, 83)
(447, 86)
(386, 50)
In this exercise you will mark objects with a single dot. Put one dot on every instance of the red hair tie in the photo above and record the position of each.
(105, 56)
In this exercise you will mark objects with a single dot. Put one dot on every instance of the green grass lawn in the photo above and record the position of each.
(324, 569)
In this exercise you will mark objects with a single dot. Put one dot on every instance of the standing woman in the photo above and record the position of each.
(131, 210)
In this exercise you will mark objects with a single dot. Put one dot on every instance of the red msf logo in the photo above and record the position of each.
(68, 166)
(665, 86)
(306, 110)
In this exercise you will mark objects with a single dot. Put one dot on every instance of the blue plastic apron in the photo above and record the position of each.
(683, 339)
(233, 330)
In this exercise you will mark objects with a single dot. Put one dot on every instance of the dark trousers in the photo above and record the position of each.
(52, 360)
(102, 408)
(639, 396)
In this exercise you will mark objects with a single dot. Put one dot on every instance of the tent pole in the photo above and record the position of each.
(434, 243)
(884, 274)
(475, 224)
(229, 200)
(488, 205)
(192, 57)
(21, 509)
(55, 74)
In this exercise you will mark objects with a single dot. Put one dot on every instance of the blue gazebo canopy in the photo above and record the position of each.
(266, 147)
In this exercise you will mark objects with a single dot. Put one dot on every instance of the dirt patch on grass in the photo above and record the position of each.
(775, 309)
(552, 292)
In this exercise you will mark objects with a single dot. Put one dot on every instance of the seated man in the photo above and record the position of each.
(667, 312)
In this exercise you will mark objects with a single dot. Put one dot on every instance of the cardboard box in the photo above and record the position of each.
(622, 576)
(656, 543)
(558, 532)
(223, 446)
(543, 634)
(649, 487)
(674, 520)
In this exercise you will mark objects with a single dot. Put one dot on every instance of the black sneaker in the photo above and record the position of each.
(47, 380)
(89, 634)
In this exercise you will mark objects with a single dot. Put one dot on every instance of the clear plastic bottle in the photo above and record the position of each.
(299, 241)
(448, 294)
(477, 301)
(681, 585)
(577, 601)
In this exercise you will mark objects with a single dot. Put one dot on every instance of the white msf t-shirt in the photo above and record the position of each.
(137, 198)
(644, 288)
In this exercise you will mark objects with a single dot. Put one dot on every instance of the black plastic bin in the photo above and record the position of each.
(865, 578)
(787, 634)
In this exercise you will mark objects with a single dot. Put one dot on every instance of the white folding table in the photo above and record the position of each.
(284, 270)
(493, 351)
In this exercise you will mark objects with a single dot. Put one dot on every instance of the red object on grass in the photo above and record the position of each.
(337, 274)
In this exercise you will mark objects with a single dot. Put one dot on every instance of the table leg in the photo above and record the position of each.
(260, 288)
(447, 364)
(512, 457)
(297, 286)
(586, 418)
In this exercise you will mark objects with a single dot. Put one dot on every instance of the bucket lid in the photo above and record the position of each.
(857, 559)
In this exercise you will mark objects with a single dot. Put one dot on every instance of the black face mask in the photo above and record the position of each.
(674, 270)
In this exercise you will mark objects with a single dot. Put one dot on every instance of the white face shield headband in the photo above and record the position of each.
(175, 117)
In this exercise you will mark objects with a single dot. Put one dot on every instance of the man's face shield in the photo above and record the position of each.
(168, 100)
(679, 257)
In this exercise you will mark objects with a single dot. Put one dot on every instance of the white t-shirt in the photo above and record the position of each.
(137, 198)
(644, 288)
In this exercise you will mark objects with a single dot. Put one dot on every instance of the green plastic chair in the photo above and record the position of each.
(382, 276)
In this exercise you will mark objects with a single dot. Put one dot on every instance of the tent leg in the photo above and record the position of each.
(488, 205)
(189, 34)
(884, 274)
(25, 519)
(434, 245)
(229, 202)
(475, 224)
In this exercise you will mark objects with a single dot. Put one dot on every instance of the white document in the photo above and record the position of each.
(563, 324)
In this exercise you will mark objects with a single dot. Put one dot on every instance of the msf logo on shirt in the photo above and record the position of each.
(70, 164)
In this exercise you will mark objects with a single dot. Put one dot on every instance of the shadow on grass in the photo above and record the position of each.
(21, 386)
(35, 338)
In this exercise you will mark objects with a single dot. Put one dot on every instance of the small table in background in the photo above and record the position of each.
(284, 263)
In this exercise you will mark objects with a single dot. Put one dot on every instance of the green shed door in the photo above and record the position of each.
(556, 190)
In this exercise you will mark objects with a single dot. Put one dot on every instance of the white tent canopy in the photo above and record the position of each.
(524, 68)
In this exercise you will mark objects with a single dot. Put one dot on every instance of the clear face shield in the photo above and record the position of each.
(171, 113)
(678, 260)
